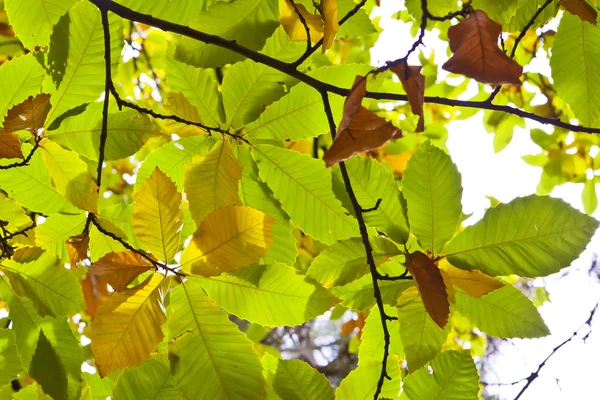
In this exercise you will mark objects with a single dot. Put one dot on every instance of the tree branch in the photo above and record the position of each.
(304, 23)
(27, 159)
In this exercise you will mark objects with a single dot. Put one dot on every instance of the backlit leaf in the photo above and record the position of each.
(21, 77)
(372, 341)
(10, 145)
(157, 217)
(47, 369)
(414, 86)
(10, 363)
(28, 115)
(120, 269)
(362, 382)
(580, 8)
(329, 12)
(77, 248)
(475, 283)
(294, 27)
(297, 380)
(149, 380)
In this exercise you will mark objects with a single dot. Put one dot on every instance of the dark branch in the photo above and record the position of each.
(107, 90)
(374, 208)
(304, 23)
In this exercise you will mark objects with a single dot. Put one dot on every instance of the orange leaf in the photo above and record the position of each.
(431, 286)
(360, 130)
(77, 247)
(414, 86)
(95, 290)
(29, 115)
(120, 269)
(474, 42)
(475, 283)
(581, 9)
(329, 12)
(10, 146)
(294, 27)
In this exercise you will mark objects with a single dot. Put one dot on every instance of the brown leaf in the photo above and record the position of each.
(329, 12)
(77, 247)
(474, 42)
(294, 27)
(95, 290)
(581, 9)
(120, 269)
(10, 146)
(474, 282)
(431, 286)
(29, 115)
(414, 86)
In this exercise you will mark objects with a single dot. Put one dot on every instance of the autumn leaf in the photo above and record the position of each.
(414, 86)
(474, 282)
(157, 217)
(77, 247)
(329, 12)
(431, 286)
(361, 130)
(127, 327)
(120, 269)
(474, 42)
(294, 27)
(29, 115)
(580, 8)
(10, 146)
(229, 238)
(95, 290)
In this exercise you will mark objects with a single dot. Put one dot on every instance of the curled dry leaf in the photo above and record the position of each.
(29, 115)
(581, 9)
(474, 42)
(329, 12)
(414, 86)
(77, 247)
(95, 290)
(294, 27)
(431, 286)
(360, 130)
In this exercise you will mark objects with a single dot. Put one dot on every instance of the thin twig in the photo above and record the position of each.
(304, 23)
(27, 159)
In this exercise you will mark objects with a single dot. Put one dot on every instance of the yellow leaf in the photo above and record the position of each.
(128, 326)
(157, 217)
(229, 238)
(211, 181)
(329, 11)
(294, 27)
(120, 269)
(70, 176)
(474, 282)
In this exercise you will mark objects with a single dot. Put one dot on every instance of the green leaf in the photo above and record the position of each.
(530, 236)
(31, 392)
(211, 366)
(172, 157)
(54, 232)
(589, 198)
(273, 295)
(575, 53)
(371, 181)
(54, 290)
(361, 383)
(432, 187)
(504, 313)
(303, 186)
(300, 114)
(211, 181)
(32, 187)
(21, 77)
(421, 337)
(47, 369)
(177, 11)
(346, 261)
(33, 20)
(200, 88)
(13, 213)
(454, 377)
(96, 387)
(128, 131)
(297, 380)
(83, 81)
(372, 341)
(121, 216)
(249, 86)
(10, 363)
(358, 25)
(150, 380)
(231, 21)
(525, 10)
(210, 346)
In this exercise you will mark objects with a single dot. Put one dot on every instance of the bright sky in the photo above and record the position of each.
(506, 176)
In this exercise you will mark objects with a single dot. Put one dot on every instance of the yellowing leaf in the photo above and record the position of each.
(329, 12)
(29, 115)
(580, 8)
(77, 247)
(120, 269)
(229, 238)
(474, 42)
(95, 290)
(10, 146)
(211, 181)
(431, 286)
(475, 283)
(157, 217)
(414, 86)
(294, 27)
(70, 176)
(127, 327)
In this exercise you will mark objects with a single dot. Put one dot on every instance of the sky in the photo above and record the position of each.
(572, 372)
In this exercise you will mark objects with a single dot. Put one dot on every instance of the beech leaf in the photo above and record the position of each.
(77, 248)
(414, 86)
(120, 269)
(329, 12)
(29, 115)
(10, 146)
(474, 42)
(580, 8)
(293, 26)
(475, 283)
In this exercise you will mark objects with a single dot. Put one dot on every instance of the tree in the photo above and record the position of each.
(230, 164)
